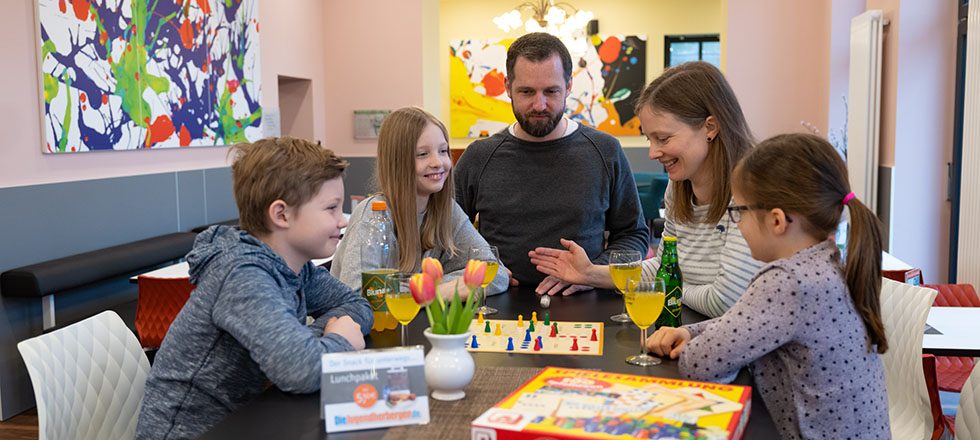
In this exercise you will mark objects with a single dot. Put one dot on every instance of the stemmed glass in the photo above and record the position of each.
(399, 299)
(623, 267)
(644, 301)
(491, 256)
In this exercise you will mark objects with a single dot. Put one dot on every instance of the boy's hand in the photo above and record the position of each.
(668, 340)
(346, 327)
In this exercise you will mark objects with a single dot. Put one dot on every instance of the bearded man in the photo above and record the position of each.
(546, 177)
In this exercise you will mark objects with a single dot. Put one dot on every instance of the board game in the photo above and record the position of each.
(536, 336)
(564, 403)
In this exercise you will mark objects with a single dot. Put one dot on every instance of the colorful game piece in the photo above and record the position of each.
(534, 316)
(520, 321)
(479, 318)
(530, 326)
(527, 336)
(547, 318)
(554, 330)
(496, 331)
(486, 329)
(524, 338)
(540, 342)
(574, 344)
(537, 344)
(473, 343)
(545, 301)
(510, 343)
(594, 337)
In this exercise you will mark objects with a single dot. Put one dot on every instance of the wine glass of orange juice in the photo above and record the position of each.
(623, 266)
(491, 256)
(399, 299)
(644, 301)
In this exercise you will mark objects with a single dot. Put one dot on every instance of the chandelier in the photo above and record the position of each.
(556, 18)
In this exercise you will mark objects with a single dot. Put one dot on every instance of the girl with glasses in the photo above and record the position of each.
(810, 329)
(697, 131)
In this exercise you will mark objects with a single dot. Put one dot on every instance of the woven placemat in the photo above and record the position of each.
(452, 419)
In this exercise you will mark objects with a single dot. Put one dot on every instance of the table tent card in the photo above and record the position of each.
(370, 389)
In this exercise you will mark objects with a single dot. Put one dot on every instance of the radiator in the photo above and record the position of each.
(968, 247)
(864, 103)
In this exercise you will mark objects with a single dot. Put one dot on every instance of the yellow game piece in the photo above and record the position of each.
(479, 318)
(520, 321)
(496, 330)
(534, 316)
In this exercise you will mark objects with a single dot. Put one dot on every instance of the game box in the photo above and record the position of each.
(563, 403)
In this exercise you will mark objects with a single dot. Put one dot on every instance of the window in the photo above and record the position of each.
(680, 49)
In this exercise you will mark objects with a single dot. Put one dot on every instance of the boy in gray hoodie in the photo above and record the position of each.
(244, 325)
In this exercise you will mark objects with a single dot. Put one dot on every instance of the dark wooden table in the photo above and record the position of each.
(275, 414)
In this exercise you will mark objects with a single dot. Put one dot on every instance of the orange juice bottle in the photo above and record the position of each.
(378, 258)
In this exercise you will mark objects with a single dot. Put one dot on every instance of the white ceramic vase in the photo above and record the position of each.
(448, 366)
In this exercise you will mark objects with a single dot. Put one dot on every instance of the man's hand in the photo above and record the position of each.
(513, 281)
(571, 265)
(347, 328)
(668, 340)
(551, 285)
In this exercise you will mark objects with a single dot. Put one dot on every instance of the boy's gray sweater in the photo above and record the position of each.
(243, 327)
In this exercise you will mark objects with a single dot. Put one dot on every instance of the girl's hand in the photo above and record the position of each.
(572, 266)
(668, 340)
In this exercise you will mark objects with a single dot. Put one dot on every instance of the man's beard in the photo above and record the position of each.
(539, 128)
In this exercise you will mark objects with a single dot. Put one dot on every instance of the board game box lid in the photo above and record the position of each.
(565, 403)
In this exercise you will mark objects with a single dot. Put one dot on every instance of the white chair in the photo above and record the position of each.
(88, 379)
(904, 309)
(968, 412)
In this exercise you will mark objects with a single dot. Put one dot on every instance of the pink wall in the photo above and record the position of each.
(374, 62)
(923, 133)
(289, 29)
(842, 11)
(776, 61)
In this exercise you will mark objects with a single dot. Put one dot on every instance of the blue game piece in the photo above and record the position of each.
(540, 342)
(510, 343)
(527, 336)
(473, 344)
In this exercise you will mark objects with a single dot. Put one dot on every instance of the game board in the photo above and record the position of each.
(571, 338)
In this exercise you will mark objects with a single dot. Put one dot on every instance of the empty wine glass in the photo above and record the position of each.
(644, 301)
(399, 299)
(623, 266)
(491, 256)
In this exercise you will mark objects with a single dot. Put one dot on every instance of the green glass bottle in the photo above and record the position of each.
(670, 271)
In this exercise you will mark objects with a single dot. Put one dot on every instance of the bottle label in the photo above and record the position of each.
(673, 304)
(373, 288)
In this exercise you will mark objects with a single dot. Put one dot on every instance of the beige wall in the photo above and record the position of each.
(653, 18)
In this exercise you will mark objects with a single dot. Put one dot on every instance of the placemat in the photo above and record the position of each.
(452, 419)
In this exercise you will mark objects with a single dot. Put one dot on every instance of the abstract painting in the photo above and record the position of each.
(148, 74)
(606, 79)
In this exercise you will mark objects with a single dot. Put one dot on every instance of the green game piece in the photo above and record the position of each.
(530, 326)
(486, 328)
(547, 318)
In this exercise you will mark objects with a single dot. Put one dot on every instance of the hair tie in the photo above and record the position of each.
(850, 196)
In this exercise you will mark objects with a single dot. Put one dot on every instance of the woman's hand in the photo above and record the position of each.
(571, 266)
(668, 340)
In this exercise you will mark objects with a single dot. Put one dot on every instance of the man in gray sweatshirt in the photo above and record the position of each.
(547, 177)
(244, 325)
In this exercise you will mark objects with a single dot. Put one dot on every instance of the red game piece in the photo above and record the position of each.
(574, 344)
(554, 330)
(594, 337)
(537, 345)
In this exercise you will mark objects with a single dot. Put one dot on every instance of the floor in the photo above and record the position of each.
(20, 427)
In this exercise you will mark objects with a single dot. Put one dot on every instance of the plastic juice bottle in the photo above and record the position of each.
(378, 258)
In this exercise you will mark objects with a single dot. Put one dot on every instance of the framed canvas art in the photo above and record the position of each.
(146, 74)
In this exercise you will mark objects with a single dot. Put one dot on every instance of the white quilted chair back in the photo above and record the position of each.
(968, 413)
(88, 379)
(904, 309)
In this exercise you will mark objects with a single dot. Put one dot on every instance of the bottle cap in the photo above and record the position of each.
(670, 238)
(379, 205)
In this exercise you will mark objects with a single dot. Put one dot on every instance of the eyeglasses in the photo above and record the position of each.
(735, 212)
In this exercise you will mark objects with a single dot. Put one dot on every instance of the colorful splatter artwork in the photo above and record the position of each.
(606, 80)
(148, 74)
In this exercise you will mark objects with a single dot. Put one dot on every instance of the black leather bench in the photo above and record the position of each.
(46, 279)
(232, 222)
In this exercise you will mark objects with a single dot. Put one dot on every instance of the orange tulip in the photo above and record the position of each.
(433, 268)
(423, 288)
(474, 273)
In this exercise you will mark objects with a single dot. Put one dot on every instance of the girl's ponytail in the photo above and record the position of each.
(862, 270)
